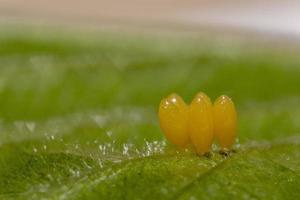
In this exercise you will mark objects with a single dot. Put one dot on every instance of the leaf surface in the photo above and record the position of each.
(79, 116)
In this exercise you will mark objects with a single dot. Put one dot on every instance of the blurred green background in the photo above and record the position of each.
(78, 114)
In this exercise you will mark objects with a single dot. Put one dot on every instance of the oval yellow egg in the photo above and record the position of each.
(225, 121)
(173, 118)
(201, 123)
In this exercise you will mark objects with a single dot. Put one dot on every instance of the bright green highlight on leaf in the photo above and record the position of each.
(78, 116)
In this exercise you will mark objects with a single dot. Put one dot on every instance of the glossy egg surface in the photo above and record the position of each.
(173, 118)
(225, 121)
(200, 125)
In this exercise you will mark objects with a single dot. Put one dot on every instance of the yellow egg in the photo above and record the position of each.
(225, 121)
(173, 118)
(201, 123)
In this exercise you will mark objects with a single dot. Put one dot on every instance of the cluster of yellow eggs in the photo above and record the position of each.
(198, 123)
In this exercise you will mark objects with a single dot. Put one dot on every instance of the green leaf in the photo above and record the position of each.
(78, 116)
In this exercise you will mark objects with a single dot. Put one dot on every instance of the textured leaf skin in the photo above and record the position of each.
(79, 120)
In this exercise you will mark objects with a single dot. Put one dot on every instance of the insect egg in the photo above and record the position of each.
(173, 118)
(225, 121)
(200, 125)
